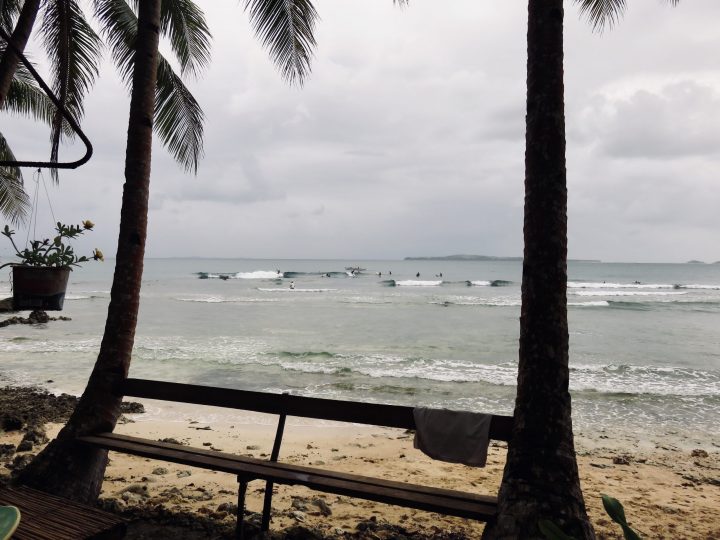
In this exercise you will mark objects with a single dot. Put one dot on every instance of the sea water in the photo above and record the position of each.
(644, 338)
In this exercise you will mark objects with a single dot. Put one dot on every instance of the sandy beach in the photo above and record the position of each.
(667, 493)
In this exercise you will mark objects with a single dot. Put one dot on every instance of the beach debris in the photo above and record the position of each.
(252, 447)
(132, 407)
(299, 503)
(171, 440)
(24, 446)
(20, 462)
(160, 471)
(6, 450)
(10, 422)
(207, 444)
(35, 317)
(230, 508)
(698, 452)
(184, 473)
(35, 435)
(324, 507)
(622, 459)
(203, 428)
(297, 515)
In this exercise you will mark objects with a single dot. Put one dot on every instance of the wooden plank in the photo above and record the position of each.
(399, 493)
(105, 440)
(376, 414)
(47, 517)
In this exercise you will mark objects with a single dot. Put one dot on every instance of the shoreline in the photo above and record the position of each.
(667, 492)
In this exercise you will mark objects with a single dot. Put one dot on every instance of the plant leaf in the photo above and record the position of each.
(552, 531)
(614, 509)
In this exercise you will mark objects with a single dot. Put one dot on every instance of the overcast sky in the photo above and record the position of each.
(408, 139)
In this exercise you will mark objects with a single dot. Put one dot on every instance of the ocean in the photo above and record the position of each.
(644, 338)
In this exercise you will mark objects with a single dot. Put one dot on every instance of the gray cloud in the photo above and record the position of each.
(409, 139)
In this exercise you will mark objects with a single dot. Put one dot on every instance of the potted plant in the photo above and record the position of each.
(40, 276)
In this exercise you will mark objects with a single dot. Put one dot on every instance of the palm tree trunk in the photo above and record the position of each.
(19, 38)
(64, 467)
(541, 476)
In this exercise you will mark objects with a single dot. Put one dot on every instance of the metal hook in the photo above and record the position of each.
(65, 114)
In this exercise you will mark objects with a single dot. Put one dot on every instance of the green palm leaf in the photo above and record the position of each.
(606, 13)
(286, 27)
(26, 98)
(602, 13)
(14, 202)
(74, 51)
(184, 24)
(178, 116)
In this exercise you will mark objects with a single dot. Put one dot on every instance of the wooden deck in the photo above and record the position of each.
(47, 517)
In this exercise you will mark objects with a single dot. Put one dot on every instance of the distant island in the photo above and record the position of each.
(482, 258)
(695, 262)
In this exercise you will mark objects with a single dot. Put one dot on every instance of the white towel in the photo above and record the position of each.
(453, 436)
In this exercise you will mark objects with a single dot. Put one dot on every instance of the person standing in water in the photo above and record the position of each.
(292, 284)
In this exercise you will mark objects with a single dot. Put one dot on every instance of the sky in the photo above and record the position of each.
(408, 139)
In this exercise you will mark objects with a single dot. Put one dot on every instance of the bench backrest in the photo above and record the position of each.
(376, 414)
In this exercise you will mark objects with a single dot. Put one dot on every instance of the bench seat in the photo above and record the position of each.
(444, 501)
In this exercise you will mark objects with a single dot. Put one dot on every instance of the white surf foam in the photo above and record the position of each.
(417, 283)
(288, 289)
(627, 293)
(480, 283)
(604, 285)
(258, 274)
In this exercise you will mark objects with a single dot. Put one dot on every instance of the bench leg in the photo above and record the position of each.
(242, 491)
(267, 507)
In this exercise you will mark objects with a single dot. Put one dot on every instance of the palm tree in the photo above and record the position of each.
(64, 467)
(541, 479)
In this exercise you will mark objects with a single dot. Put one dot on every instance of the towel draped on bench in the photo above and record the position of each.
(453, 436)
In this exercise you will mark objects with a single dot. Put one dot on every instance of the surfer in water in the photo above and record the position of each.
(417, 275)
(292, 284)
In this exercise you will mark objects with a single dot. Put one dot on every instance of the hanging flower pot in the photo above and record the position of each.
(40, 278)
(39, 287)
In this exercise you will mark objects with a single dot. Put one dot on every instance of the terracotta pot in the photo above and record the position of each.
(39, 287)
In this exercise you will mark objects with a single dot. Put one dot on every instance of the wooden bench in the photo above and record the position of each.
(47, 517)
(444, 501)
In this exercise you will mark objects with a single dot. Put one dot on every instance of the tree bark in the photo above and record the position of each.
(541, 478)
(64, 467)
(19, 38)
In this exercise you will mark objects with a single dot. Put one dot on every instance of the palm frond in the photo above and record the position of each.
(14, 202)
(602, 13)
(118, 24)
(286, 27)
(74, 51)
(9, 10)
(184, 24)
(26, 98)
(178, 118)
